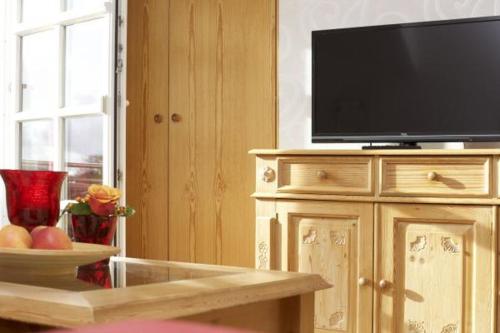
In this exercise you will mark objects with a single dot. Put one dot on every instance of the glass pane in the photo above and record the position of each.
(39, 71)
(84, 4)
(95, 277)
(37, 147)
(84, 142)
(37, 10)
(86, 62)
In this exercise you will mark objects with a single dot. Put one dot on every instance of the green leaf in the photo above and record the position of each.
(80, 208)
(129, 211)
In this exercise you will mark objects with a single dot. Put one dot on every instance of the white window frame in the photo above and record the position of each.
(113, 150)
(58, 114)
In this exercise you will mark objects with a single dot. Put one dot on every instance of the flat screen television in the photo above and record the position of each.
(431, 81)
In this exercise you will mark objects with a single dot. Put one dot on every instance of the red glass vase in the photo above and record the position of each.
(33, 197)
(93, 229)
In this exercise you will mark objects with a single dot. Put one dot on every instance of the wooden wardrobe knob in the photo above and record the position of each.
(175, 117)
(158, 118)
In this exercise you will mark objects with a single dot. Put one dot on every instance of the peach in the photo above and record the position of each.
(15, 236)
(36, 230)
(51, 238)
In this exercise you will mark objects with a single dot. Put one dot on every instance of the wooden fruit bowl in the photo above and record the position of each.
(53, 262)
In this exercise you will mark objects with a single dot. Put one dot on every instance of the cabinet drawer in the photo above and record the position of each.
(327, 175)
(437, 176)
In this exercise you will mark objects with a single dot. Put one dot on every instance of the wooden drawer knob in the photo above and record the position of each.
(268, 174)
(362, 281)
(432, 175)
(321, 174)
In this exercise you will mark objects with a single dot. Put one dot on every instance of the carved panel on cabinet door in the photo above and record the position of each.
(418, 244)
(430, 283)
(336, 319)
(450, 328)
(263, 255)
(416, 326)
(327, 246)
(449, 245)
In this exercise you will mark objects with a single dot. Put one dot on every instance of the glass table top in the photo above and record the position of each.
(119, 273)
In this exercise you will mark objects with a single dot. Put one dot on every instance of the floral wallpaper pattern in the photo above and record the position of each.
(297, 18)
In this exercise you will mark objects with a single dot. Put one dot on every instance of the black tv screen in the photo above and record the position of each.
(432, 81)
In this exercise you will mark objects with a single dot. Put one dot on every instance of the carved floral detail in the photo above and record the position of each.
(263, 255)
(416, 326)
(418, 244)
(310, 237)
(450, 328)
(268, 174)
(449, 245)
(338, 238)
(336, 319)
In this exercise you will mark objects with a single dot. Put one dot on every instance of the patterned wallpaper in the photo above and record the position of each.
(297, 18)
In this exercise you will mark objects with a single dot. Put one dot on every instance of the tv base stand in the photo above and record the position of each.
(401, 145)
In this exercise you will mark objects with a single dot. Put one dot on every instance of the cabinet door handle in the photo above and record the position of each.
(362, 281)
(383, 284)
(432, 176)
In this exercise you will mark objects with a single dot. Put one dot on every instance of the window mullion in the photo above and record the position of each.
(58, 158)
(18, 11)
(57, 120)
(13, 152)
(61, 66)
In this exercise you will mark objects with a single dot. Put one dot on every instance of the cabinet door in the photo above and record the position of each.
(435, 269)
(336, 241)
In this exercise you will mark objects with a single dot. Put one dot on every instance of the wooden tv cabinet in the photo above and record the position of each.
(407, 238)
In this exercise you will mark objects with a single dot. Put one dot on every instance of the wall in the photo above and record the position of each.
(297, 18)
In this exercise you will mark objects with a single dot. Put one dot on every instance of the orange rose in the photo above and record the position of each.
(102, 199)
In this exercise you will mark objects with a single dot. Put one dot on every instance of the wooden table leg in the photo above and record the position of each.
(299, 313)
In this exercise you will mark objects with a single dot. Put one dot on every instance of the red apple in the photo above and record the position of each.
(37, 229)
(51, 238)
(15, 236)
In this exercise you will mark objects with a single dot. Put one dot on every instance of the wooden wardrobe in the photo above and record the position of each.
(201, 86)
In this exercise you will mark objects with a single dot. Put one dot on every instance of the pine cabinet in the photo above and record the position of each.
(419, 259)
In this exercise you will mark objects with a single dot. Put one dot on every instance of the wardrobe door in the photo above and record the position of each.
(221, 104)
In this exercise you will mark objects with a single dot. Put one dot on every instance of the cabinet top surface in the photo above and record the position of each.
(375, 152)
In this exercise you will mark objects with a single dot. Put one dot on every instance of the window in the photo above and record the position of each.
(60, 104)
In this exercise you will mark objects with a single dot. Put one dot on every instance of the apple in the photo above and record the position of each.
(15, 236)
(51, 238)
(36, 230)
